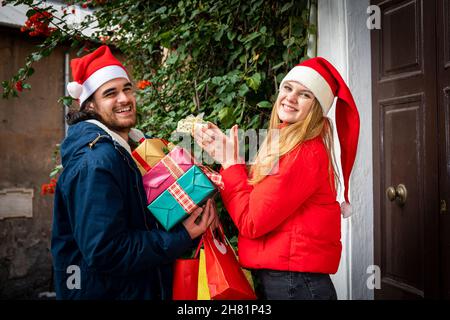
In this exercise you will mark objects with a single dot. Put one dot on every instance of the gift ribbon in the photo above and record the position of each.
(177, 192)
(173, 167)
(182, 198)
(215, 177)
(176, 172)
(141, 161)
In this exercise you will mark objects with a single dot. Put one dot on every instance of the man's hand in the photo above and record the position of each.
(209, 215)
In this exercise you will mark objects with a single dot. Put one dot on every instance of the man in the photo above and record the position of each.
(105, 243)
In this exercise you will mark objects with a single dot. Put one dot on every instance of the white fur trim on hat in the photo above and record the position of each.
(311, 79)
(74, 89)
(100, 77)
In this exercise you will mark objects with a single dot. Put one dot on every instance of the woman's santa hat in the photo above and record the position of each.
(92, 71)
(325, 82)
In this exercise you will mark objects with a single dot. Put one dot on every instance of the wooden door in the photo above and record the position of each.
(405, 132)
(443, 72)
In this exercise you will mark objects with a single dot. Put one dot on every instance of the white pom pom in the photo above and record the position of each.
(136, 135)
(346, 209)
(74, 89)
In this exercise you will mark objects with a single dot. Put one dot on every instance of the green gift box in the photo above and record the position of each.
(177, 202)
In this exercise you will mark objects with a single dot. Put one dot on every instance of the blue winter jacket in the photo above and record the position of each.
(102, 231)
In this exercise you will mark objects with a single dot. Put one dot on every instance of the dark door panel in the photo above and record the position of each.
(402, 225)
(405, 131)
(443, 39)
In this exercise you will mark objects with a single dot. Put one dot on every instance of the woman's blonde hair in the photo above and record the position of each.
(289, 137)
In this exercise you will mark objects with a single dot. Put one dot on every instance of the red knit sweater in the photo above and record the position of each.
(290, 220)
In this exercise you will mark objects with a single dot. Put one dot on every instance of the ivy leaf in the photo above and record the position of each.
(286, 7)
(254, 81)
(29, 72)
(30, 12)
(275, 67)
(56, 170)
(218, 35)
(66, 100)
(251, 37)
(264, 104)
(254, 123)
(231, 35)
(161, 10)
(243, 89)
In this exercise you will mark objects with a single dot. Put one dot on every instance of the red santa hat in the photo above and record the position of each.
(92, 71)
(325, 82)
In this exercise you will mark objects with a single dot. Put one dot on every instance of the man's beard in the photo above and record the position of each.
(115, 125)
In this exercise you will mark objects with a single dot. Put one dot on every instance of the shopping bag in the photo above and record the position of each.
(185, 277)
(226, 279)
(203, 290)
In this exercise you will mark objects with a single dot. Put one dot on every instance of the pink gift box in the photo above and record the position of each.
(159, 178)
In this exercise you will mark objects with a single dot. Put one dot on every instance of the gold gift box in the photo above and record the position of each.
(149, 153)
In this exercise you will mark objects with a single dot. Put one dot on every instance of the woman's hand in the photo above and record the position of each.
(222, 148)
(196, 229)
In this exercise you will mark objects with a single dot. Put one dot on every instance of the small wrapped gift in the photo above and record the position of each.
(188, 124)
(166, 172)
(185, 195)
(148, 153)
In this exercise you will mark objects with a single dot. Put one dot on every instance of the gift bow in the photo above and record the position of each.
(187, 125)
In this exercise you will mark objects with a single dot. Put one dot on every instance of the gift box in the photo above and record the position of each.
(166, 172)
(149, 153)
(189, 192)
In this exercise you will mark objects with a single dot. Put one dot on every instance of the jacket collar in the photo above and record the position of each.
(113, 135)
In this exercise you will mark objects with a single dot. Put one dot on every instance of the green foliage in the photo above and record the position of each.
(221, 57)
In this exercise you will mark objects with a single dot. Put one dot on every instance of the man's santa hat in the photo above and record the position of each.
(92, 71)
(325, 82)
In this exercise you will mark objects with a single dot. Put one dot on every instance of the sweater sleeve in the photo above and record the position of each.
(98, 217)
(259, 209)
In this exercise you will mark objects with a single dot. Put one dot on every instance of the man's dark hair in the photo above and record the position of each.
(77, 115)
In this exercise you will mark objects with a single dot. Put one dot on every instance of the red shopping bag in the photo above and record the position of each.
(185, 277)
(226, 280)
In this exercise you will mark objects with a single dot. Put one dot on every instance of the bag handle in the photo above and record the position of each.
(198, 248)
(221, 232)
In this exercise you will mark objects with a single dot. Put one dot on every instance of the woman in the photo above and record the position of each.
(286, 209)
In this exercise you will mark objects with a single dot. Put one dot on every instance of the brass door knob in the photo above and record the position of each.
(399, 194)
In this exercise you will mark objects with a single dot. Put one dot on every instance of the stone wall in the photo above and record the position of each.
(30, 127)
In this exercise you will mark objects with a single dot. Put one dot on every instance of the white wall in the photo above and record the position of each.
(344, 40)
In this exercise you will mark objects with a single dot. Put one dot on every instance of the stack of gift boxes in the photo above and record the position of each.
(175, 184)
